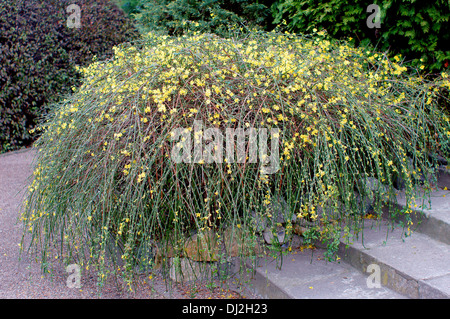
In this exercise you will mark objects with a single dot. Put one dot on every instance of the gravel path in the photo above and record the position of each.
(22, 279)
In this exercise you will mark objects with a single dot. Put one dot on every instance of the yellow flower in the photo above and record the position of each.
(141, 177)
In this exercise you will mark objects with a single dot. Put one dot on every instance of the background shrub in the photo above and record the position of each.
(106, 181)
(38, 54)
(175, 17)
(418, 30)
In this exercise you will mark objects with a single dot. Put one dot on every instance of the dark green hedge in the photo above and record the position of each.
(175, 17)
(417, 29)
(38, 54)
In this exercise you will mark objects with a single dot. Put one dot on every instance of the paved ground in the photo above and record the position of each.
(416, 267)
(23, 278)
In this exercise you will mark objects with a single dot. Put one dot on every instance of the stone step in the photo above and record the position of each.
(430, 215)
(416, 266)
(307, 274)
(443, 177)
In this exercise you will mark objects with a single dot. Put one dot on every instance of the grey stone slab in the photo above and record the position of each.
(416, 266)
(434, 226)
(437, 287)
(304, 276)
(444, 177)
(430, 213)
(418, 255)
(438, 200)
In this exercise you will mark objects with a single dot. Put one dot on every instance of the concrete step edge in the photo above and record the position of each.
(266, 288)
(391, 277)
(443, 176)
(426, 223)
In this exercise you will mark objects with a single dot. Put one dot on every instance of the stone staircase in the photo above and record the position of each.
(381, 263)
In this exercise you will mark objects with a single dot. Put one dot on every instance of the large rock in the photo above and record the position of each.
(296, 241)
(419, 178)
(443, 177)
(259, 222)
(298, 229)
(239, 242)
(371, 189)
(275, 235)
(277, 212)
(280, 210)
(145, 256)
(164, 252)
(202, 246)
(207, 247)
(328, 209)
(186, 269)
(364, 204)
(371, 186)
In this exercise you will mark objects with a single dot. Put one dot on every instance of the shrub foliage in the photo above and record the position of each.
(38, 54)
(105, 178)
(418, 30)
(180, 16)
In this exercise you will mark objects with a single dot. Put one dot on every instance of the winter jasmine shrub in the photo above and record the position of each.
(109, 177)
